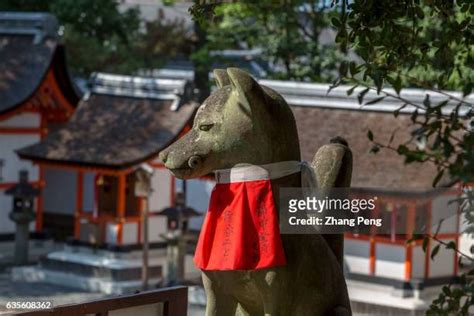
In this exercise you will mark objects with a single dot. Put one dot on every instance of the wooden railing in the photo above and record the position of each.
(166, 302)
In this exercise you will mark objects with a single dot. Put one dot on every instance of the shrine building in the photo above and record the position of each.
(36, 95)
(120, 124)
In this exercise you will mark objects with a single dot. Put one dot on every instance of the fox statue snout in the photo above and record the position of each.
(184, 170)
(185, 157)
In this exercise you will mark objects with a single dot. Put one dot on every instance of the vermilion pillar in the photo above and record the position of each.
(372, 241)
(409, 247)
(428, 246)
(120, 207)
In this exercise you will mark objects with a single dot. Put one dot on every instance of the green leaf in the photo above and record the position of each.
(419, 12)
(438, 177)
(397, 85)
(375, 149)
(361, 95)
(446, 290)
(467, 89)
(451, 245)
(353, 68)
(397, 111)
(402, 150)
(343, 68)
(434, 252)
(375, 101)
(336, 22)
(370, 135)
(351, 90)
(378, 81)
(426, 101)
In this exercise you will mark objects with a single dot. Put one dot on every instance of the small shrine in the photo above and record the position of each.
(121, 123)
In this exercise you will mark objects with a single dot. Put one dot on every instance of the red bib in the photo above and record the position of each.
(241, 229)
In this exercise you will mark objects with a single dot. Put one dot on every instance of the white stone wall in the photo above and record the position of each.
(12, 164)
(60, 191)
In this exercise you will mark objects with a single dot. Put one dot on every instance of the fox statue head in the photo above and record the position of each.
(241, 122)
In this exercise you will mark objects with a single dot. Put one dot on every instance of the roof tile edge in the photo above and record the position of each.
(177, 90)
(318, 95)
(41, 25)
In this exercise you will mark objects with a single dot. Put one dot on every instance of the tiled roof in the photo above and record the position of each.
(384, 170)
(115, 129)
(322, 114)
(27, 44)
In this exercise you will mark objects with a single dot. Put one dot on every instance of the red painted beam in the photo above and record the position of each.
(20, 130)
(6, 185)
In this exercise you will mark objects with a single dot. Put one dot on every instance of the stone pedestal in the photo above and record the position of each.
(21, 244)
(22, 235)
(98, 270)
(175, 260)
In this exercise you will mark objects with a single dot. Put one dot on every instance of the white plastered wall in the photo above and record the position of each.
(12, 164)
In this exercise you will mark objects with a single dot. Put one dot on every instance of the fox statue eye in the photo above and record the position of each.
(205, 127)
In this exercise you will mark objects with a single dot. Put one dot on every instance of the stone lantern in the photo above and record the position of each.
(143, 189)
(22, 214)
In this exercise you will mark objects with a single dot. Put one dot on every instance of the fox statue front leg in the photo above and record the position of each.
(217, 302)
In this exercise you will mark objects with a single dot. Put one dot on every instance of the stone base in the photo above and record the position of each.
(94, 270)
(89, 284)
(376, 299)
(99, 270)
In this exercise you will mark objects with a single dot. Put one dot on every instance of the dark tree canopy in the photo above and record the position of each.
(426, 44)
(295, 37)
(101, 36)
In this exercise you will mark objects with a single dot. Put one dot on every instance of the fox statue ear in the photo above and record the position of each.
(247, 89)
(222, 79)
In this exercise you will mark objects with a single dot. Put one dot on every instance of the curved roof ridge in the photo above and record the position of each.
(28, 42)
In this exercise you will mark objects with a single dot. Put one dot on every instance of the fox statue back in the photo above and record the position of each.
(244, 124)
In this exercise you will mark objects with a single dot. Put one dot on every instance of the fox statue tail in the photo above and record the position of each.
(332, 165)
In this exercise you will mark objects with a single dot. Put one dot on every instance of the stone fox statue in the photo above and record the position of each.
(245, 124)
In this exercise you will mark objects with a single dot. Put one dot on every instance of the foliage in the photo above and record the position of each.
(163, 40)
(390, 37)
(419, 43)
(288, 33)
(426, 44)
(101, 36)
